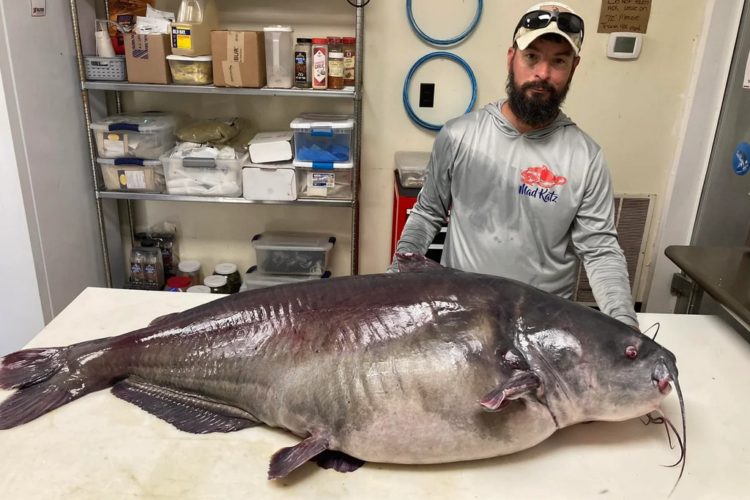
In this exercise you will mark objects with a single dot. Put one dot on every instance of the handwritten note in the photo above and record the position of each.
(624, 15)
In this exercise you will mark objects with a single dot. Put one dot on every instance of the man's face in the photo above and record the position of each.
(539, 78)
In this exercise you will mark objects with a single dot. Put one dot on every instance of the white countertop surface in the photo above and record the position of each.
(102, 447)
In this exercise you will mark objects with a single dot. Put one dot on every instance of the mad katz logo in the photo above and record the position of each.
(537, 182)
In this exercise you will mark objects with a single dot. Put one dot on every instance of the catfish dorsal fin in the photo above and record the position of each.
(415, 263)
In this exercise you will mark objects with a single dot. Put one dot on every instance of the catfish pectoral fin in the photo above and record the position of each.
(287, 459)
(186, 411)
(338, 461)
(521, 383)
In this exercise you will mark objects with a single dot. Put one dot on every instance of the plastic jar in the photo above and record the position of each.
(178, 284)
(234, 280)
(199, 289)
(302, 62)
(217, 283)
(319, 63)
(350, 63)
(191, 269)
(335, 63)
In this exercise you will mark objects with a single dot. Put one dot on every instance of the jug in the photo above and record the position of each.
(191, 31)
(279, 57)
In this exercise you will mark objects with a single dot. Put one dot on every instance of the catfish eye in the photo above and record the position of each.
(631, 352)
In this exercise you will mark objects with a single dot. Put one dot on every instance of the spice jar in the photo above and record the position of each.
(302, 55)
(153, 268)
(191, 269)
(234, 281)
(350, 50)
(319, 63)
(178, 284)
(217, 283)
(335, 63)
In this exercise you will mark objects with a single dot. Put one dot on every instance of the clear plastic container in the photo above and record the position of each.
(203, 176)
(142, 135)
(279, 43)
(187, 70)
(322, 139)
(332, 183)
(412, 167)
(293, 253)
(191, 31)
(191, 269)
(132, 174)
(254, 279)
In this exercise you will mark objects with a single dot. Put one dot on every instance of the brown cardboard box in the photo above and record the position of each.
(146, 58)
(239, 58)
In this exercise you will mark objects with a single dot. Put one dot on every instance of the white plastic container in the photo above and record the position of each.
(132, 174)
(412, 167)
(266, 147)
(144, 135)
(269, 182)
(203, 176)
(322, 139)
(293, 253)
(332, 183)
(279, 43)
(253, 279)
(187, 70)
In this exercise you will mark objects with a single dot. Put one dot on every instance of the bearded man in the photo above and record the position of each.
(527, 189)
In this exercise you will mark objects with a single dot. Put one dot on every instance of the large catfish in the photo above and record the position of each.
(418, 367)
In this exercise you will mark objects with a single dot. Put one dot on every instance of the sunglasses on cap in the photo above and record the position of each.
(538, 19)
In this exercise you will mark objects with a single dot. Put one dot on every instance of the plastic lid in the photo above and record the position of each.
(199, 289)
(225, 268)
(335, 39)
(126, 160)
(173, 57)
(312, 120)
(278, 240)
(334, 165)
(320, 41)
(412, 159)
(215, 281)
(304, 40)
(145, 122)
(350, 40)
(278, 27)
(178, 282)
(189, 266)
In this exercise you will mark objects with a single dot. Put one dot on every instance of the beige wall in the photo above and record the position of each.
(632, 108)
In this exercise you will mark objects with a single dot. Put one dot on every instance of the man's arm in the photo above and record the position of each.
(595, 241)
(433, 202)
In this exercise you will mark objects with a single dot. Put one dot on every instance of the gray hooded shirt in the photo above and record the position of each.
(516, 202)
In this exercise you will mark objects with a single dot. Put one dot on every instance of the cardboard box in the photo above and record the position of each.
(146, 58)
(239, 58)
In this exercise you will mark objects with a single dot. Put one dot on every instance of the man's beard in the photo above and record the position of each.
(538, 109)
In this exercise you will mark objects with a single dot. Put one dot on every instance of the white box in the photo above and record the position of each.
(269, 182)
(268, 147)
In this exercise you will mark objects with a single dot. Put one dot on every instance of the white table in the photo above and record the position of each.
(102, 447)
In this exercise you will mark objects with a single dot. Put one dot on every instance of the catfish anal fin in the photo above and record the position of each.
(338, 461)
(188, 412)
(521, 383)
(287, 459)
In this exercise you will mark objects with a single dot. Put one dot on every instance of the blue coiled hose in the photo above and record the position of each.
(448, 41)
(415, 67)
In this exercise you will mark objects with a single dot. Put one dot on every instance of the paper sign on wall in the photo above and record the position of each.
(38, 8)
(624, 15)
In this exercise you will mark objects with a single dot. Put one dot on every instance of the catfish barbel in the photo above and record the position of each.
(424, 366)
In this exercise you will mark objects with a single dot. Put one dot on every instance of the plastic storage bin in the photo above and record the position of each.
(324, 140)
(144, 135)
(332, 183)
(412, 167)
(279, 46)
(293, 253)
(254, 279)
(269, 182)
(132, 174)
(105, 68)
(203, 176)
(186, 70)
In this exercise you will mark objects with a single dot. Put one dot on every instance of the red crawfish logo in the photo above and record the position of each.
(542, 176)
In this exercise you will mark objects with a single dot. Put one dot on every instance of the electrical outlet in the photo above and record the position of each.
(426, 95)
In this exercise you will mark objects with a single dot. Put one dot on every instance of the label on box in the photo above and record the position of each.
(181, 37)
(131, 179)
(319, 183)
(114, 144)
(235, 56)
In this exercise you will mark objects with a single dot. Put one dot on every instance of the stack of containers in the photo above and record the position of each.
(323, 156)
(286, 257)
(269, 173)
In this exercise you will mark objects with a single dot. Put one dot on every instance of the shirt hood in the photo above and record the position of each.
(507, 128)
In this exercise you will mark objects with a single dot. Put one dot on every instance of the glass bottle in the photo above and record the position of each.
(302, 56)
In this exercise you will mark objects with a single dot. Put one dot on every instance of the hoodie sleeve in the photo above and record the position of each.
(433, 202)
(595, 241)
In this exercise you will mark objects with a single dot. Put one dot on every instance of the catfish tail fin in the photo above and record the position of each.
(34, 372)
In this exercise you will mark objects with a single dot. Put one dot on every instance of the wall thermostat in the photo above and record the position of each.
(624, 45)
